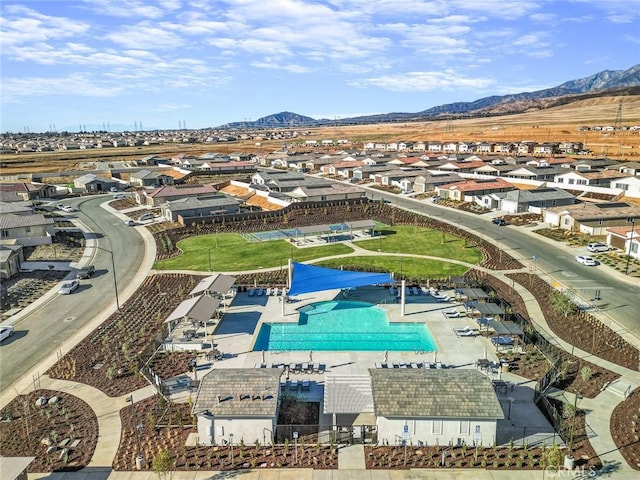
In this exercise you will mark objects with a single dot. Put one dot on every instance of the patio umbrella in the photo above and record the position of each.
(263, 359)
(435, 357)
(386, 356)
(310, 356)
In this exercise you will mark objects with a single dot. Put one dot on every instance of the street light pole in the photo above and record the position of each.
(113, 269)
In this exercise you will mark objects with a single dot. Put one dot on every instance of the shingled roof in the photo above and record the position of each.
(462, 393)
(239, 392)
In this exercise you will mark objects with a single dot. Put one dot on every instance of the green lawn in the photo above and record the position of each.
(422, 241)
(408, 268)
(229, 252)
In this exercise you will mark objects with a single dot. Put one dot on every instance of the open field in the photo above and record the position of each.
(229, 252)
(554, 124)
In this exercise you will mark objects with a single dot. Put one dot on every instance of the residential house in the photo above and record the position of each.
(592, 218)
(368, 172)
(547, 148)
(148, 178)
(630, 168)
(598, 178)
(26, 230)
(324, 192)
(532, 201)
(24, 191)
(570, 148)
(625, 238)
(629, 185)
(189, 208)
(435, 407)
(468, 190)
(167, 193)
(484, 147)
(428, 182)
(589, 164)
(16, 208)
(237, 405)
(11, 257)
(434, 147)
(91, 183)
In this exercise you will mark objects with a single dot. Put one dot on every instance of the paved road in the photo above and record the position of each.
(619, 299)
(43, 331)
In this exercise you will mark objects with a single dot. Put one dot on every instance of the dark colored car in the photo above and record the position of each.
(86, 272)
(501, 222)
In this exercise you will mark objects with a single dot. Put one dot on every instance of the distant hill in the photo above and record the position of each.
(607, 82)
(277, 120)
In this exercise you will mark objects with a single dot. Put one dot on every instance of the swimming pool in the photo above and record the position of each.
(344, 326)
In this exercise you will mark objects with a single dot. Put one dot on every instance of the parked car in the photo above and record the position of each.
(6, 331)
(68, 287)
(119, 196)
(68, 208)
(86, 272)
(597, 247)
(585, 260)
(501, 222)
(146, 216)
(130, 223)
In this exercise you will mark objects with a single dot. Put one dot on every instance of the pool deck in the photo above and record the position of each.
(235, 335)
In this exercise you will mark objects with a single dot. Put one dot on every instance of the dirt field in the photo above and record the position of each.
(550, 125)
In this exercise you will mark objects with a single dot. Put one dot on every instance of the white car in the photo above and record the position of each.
(68, 287)
(585, 260)
(597, 247)
(67, 208)
(6, 331)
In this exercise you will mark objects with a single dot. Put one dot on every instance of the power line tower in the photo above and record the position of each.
(618, 121)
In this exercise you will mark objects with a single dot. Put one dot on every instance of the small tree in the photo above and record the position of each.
(554, 459)
(163, 464)
(586, 373)
(562, 303)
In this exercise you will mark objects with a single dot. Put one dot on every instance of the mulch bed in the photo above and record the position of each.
(109, 358)
(167, 426)
(625, 428)
(24, 425)
(580, 329)
(513, 458)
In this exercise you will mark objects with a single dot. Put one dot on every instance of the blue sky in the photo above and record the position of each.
(202, 63)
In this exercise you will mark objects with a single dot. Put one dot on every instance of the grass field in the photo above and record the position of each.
(422, 241)
(408, 268)
(229, 252)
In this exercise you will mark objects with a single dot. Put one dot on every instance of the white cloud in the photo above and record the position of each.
(424, 81)
(77, 84)
(170, 107)
(133, 8)
(20, 25)
(145, 35)
(620, 18)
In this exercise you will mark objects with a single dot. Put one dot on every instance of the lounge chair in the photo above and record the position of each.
(305, 367)
(442, 298)
(427, 366)
(268, 292)
(438, 365)
(395, 365)
(403, 365)
(466, 333)
(407, 291)
(322, 367)
(414, 365)
(378, 365)
(316, 367)
(275, 292)
(425, 290)
(260, 292)
(251, 292)
(415, 291)
(294, 385)
(384, 365)
(392, 291)
(466, 328)
(454, 314)
(305, 385)
(257, 365)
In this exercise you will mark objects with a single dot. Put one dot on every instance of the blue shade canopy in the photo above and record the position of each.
(309, 278)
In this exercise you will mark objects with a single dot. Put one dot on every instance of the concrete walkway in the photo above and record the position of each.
(351, 458)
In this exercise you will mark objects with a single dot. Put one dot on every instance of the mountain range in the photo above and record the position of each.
(607, 82)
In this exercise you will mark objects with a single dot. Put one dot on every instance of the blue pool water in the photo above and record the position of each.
(344, 326)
